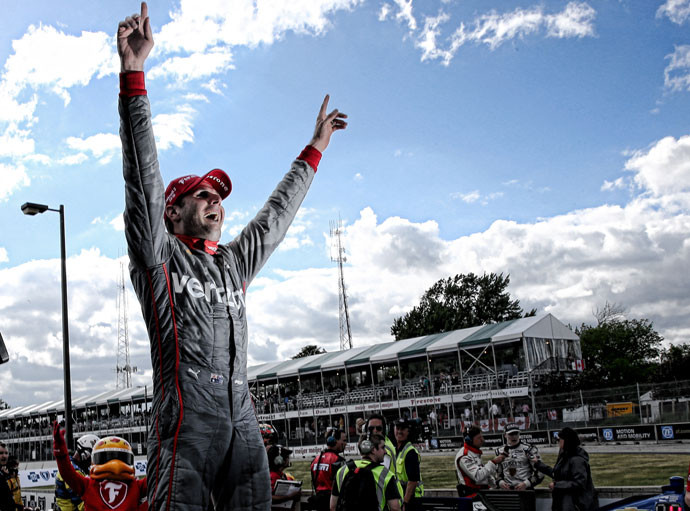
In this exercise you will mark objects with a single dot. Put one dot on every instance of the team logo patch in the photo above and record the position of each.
(217, 378)
(113, 493)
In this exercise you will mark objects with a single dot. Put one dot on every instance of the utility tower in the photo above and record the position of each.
(338, 256)
(124, 369)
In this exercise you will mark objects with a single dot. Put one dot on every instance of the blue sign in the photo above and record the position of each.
(667, 432)
(607, 434)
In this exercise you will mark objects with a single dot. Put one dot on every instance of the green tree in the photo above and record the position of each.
(308, 350)
(675, 364)
(457, 302)
(619, 352)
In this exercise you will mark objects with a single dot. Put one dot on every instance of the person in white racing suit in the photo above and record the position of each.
(472, 474)
(516, 472)
(205, 450)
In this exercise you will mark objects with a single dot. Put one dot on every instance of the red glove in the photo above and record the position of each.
(59, 443)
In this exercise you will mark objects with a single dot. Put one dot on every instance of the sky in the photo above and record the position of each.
(547, 140)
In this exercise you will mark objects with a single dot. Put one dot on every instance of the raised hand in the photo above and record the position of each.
(134, 40)
(326, 125)
(59, 443)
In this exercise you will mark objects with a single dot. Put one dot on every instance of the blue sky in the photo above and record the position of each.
(547, 140)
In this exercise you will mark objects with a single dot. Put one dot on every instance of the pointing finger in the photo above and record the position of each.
(324, 107)
(144, 10)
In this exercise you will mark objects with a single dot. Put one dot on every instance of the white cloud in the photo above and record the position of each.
(102, 145)
(664, 169)
(14, 177)
(192, 96)
(30, 321)
(118, 223)
(385, 10)
(677, 73)
(617, 184)
(44, 58)
(173, 130)
(195, 26)
(678, 11)
(493, 29)
(469, 197)
(73, 159)
(15, 143)
(358, 177)
(405, 14)
(196, 66)
(297, 236)
(3, 255)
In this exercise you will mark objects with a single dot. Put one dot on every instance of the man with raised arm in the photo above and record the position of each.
(204, 444)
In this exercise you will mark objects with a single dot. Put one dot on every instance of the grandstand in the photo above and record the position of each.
(484, 374)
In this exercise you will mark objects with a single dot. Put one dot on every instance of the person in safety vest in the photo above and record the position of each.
(407, 463)
(376, 424)
(472, 475)
(325, 466)
(388, 494)
(65, 498)
(111, 483)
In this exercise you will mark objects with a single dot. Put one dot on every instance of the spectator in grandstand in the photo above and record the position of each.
(111, 483)
(408, 462)
(364, 494)
(376, 425)
(324, 467)
(278, 461)
(572, 484)
(516, 472)
(472, 474)
(66, 498)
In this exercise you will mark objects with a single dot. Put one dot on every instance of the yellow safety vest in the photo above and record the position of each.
(401, 472)
(381, 475)
(390, 452)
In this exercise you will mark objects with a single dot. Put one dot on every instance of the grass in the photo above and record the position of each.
(607, 469)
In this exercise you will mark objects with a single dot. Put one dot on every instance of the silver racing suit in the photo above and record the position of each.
(204, 443)
(516, 468)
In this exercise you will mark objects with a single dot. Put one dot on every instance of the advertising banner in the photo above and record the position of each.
(33, 478)
(588, 434)
(535, 437)
(673, 431)
(628, 433)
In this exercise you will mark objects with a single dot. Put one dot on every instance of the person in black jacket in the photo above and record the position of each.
(573, 489)
(6, 500)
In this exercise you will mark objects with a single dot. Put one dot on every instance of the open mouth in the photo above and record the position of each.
(212, 216)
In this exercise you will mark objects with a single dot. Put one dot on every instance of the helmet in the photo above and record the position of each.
(112, 458)
(268, 433)
(85, 445)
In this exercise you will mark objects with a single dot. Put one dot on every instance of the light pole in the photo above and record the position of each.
(30, 208)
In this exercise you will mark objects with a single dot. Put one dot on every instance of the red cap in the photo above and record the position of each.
(218, 179)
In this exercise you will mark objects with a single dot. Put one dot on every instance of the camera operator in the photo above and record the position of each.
(472, 475)
(516, 472)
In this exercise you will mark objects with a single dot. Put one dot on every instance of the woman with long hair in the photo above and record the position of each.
(572, 486)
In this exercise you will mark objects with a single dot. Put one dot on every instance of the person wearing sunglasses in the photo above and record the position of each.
(376, 425)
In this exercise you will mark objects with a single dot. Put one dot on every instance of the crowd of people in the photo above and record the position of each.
(388, 474)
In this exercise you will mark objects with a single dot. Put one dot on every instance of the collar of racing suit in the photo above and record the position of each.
(210, 247)
(473, 449)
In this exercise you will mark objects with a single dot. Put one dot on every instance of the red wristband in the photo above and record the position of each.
(132, 84)
(311, 155)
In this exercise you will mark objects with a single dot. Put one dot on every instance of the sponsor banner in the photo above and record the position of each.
(486, 395)
(320, 411)
(306, 413)
(339, 409)
(535, 437)
(620, 409)
(33, 478)
(492, 441)
(587, 434)
(673, 431)
(447, 442)
(311, 451)
(627, 433)
(374, 406)
(388, 405)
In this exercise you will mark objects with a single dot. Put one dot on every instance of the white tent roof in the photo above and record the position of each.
(547, 327)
